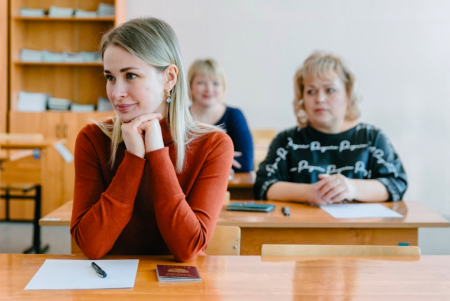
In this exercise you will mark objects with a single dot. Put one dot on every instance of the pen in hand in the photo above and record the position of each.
(98, 270)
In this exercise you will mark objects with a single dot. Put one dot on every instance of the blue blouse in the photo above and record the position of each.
(233, 121)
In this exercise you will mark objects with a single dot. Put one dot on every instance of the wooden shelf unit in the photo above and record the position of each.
(71, 19)
(81, 83)
(3, 65)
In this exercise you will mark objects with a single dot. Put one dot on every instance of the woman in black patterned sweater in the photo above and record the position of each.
(330, 156)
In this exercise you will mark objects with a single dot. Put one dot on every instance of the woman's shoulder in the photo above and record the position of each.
(370, 131)
(234, 113)
(93, 131)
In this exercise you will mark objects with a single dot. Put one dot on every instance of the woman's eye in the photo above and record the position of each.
(331, 90)
(131, 76)
(109, 77)
(216, 83)
(311, 92)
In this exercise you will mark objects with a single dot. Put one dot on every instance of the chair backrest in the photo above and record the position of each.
(226, 200)
(335, 250)
(226, 240)
(14, 136)
(261, 142)
(263, 136)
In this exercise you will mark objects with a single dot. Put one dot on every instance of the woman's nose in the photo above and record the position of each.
(119, 90)
(321, 96)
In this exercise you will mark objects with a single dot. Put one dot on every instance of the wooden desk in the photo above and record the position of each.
(24, 144)
(241, 186)
(30, 171)
(255, 278)
(311, 225)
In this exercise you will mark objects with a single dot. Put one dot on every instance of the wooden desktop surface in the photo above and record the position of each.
(254, 278)
(310, 225)
(416, 215)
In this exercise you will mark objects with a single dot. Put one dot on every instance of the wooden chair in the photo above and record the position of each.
(336, 250)
(225, 241)
(19, 191)
(261, 142)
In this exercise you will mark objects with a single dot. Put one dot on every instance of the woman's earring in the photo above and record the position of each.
(169, 97)
(301, 114)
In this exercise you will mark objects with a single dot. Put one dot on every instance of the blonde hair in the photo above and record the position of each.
(154, 42)
(207, 67)
(321, 64)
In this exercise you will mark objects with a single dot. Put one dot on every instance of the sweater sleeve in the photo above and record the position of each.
(187, 223)
(387, 168)
(274, 168)
(239, 132)
(100, 213)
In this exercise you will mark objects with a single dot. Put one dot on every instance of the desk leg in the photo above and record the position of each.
(252, 239)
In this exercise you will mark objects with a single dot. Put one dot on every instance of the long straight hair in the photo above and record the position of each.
(154, 42)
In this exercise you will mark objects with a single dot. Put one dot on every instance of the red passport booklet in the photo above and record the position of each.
(177, 273)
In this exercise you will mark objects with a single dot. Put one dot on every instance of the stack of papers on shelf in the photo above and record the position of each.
(82, 108)
(32, 12)
(79, 13)
(32, 102)
(104, 105)
(104, 9)
(27, 55)
(60, 12)
(59, 104)
(72, 57)
(49, 56)
(90, 56)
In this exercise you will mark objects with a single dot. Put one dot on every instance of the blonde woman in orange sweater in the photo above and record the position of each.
(151, 180)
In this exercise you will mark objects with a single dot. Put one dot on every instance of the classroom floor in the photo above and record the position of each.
(15, 237)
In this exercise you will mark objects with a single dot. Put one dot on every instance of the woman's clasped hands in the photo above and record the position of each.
(332, 189)
(143, 134)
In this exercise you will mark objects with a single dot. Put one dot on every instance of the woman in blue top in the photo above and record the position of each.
(330, 156)
(208, 85)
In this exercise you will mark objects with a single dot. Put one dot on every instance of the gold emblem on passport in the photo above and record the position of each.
(177, 270)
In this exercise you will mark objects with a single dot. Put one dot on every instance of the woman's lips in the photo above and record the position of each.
(320, 110)
(124, 107)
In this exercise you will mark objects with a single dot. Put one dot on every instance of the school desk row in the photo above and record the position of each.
(309, 225)
(254, 278)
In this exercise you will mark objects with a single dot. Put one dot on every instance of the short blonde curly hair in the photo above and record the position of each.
(321, 64)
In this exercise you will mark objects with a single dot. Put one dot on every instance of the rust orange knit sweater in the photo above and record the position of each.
(142, 206)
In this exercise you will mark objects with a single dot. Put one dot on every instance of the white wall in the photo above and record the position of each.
(400, 51)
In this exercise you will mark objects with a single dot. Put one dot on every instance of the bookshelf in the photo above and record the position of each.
(82, 83)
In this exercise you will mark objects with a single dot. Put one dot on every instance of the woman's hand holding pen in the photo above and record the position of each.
(143, 134)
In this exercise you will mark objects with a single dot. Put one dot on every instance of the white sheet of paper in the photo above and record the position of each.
(64, 152)
(56, 274)
(359, 211)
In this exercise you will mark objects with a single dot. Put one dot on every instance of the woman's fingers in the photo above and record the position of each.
(236, 164)
(145, 117)
(327, 184)
(332, 193)
(237, 154)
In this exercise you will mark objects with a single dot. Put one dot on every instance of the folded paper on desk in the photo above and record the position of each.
(359, 211)
(57, 274)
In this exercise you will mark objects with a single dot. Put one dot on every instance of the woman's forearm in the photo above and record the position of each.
(286, 191)
(370, 191)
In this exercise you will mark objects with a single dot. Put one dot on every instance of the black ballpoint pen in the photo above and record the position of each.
(286, 211)
(98, 270)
